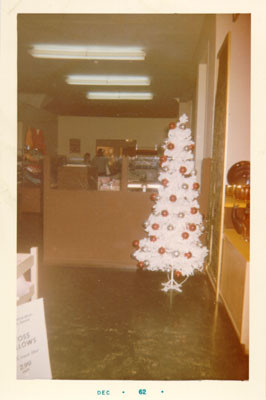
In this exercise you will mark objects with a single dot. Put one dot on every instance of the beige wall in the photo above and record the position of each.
(238, 140)
(147, 131)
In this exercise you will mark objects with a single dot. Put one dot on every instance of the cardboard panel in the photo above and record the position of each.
(92, 227)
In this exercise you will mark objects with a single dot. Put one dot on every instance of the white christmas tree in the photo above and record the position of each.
(174, 228)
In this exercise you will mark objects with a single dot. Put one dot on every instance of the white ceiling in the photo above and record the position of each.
(170, 42)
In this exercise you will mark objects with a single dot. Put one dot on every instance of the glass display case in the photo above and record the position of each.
(143, 173)
(74, 173)
(138, 173)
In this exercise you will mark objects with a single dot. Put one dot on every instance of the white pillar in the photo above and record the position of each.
(201, 99)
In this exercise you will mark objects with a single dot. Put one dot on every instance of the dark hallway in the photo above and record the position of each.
(109, 324)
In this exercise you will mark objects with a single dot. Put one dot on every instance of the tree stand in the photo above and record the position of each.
(172, 284)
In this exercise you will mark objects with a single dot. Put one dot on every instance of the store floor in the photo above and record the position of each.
(107, 324)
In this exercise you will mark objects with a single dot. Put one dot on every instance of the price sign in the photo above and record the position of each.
(32, 348)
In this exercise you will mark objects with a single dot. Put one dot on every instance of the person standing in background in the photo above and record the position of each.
(101, 162)
(87, 159)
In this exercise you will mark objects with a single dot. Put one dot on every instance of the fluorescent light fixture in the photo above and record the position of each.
(119, 96)
(87, 52)
(108, 80)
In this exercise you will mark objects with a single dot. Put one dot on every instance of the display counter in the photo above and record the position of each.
(92, 227)
(95, 227)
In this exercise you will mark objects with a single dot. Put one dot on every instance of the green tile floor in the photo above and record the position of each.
(109, 324)
(118, 324)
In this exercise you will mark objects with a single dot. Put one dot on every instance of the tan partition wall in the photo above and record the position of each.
(92, 227)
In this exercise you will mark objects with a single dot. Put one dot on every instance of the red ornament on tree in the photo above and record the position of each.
(178, 274)
(172, 125)
(170, 146)
(182, 170)
(164, 213)
(173, 197)
(192, 227)
(188, 255)
(193, 210)
(155, 226)
(136, 243)
(191, 147)
(195, 185)
(161, 250)
(165, 182)
(141, 264)
(185, 235)
(163, 159)
(153, 238)
(153, 196)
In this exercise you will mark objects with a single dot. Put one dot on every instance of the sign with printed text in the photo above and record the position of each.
(33, 360)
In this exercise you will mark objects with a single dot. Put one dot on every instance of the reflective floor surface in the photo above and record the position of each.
(117, 324)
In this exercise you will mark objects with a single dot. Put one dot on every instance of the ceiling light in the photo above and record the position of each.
(108, 80)
(119, 96)
(87, 52)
